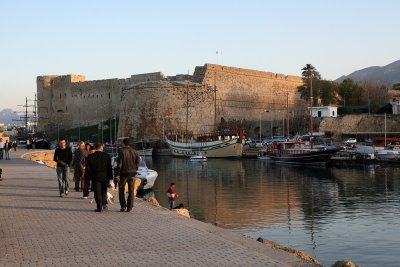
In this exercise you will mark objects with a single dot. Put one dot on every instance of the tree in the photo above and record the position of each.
(327, 91)
(322, 89)
(374, 95)
(350, 93)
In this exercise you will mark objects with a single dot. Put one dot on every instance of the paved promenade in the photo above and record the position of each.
(38, 228)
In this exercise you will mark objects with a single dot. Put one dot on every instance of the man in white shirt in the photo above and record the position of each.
(1, 148)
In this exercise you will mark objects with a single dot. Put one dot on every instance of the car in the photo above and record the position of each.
(350, 141)
(254, 144)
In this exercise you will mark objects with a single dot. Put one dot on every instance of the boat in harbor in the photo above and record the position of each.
(294, 153)
(200, 158)
(391, 152)
(210, 147)
(148, 176)
(145, 152)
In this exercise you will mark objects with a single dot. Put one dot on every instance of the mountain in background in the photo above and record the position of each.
(7, 115)
(389, 74)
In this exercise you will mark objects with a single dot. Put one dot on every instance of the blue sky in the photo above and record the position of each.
(114, 39)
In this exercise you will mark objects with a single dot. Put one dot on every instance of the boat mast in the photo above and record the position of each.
(187, 110)
(215, 102)
(385, 129)
(287, 116)
(311, 112)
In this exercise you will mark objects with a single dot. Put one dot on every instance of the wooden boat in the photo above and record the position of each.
(217, 147)
(293, 153)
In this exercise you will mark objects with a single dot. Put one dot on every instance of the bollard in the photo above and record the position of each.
(1, 172)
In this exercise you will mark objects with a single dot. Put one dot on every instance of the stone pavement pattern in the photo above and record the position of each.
(38, 228)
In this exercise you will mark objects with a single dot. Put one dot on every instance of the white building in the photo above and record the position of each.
(395, 106)
(325, 111)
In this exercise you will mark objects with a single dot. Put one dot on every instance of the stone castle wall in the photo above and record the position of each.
(148, 109)
(70, 101)
(149, 103)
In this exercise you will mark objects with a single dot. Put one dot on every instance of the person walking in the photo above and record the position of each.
(127, 166)
(98, 167)
(1, 148)
(88, 184)
(7, 147)
(14, 145)
(63, 157)
(79, 166)
(172, 196)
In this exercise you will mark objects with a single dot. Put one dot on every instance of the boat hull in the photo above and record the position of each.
(313, 157)
(145, 152)
(214, 149)
(147, 176)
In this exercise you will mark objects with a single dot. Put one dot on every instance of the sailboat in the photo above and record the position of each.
(299, 153)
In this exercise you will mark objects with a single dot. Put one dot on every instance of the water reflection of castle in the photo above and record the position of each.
(240, 194)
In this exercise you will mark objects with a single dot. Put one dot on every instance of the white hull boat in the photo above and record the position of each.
(227, 147)
(145, 152)
(147, 176)
(198, 158)
(388, 153)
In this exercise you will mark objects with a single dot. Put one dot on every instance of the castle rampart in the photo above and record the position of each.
(151, 103)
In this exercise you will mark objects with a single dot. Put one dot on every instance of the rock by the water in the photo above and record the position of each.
(344, 263)
(298, 253)
(183, 212)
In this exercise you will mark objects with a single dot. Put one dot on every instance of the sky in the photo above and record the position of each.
(104, 39)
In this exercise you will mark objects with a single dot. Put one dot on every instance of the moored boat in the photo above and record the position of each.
(145, 152)
(220, 147)
(198, 158)
(147, 176)
(293, 153)
(391, 152)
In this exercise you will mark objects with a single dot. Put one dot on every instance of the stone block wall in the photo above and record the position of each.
(148, 103)
(240, 95)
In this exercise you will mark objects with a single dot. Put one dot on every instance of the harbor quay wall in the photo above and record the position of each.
(149, 104)
(361, 124)
(214, 94)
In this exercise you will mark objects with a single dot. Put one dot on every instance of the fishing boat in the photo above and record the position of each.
(293, 153)
(219, 147)
(298, 152)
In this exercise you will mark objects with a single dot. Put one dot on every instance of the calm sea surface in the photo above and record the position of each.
(331, 214)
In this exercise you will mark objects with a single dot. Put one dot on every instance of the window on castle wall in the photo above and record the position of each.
(109, 95)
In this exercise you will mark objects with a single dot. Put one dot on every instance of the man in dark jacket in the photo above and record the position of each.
(79, 166)
(63, 157)
(127, 166)
(98, 167)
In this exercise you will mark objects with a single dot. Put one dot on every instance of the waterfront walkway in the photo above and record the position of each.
(38, 228)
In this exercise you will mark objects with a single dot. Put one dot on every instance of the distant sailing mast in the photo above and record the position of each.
(215, 101)
(311, 112)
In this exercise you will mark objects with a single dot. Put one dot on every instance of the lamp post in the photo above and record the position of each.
(260, 121)
(163, 126)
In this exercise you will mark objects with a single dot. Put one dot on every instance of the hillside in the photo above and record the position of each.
(7, 115)
(388, 74)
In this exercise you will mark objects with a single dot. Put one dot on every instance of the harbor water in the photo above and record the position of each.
(330, 213)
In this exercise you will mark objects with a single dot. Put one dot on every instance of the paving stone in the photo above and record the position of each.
(38, 228)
